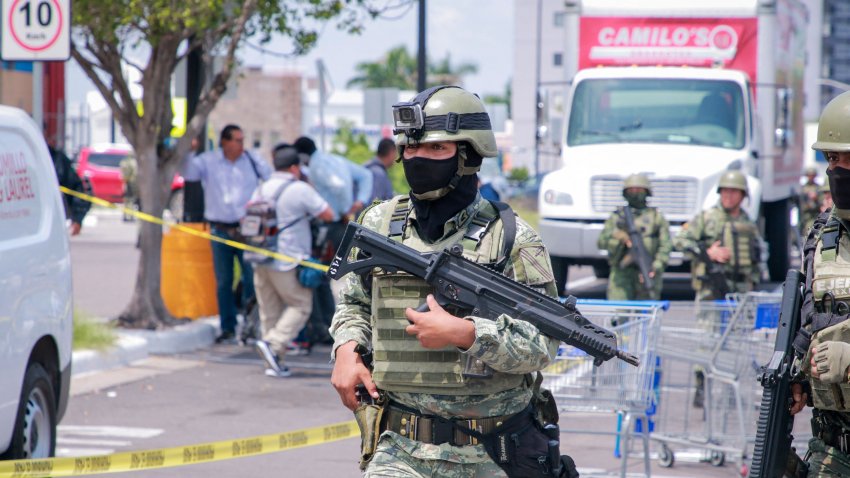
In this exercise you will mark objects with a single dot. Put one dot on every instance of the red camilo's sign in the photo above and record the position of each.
(624, 41)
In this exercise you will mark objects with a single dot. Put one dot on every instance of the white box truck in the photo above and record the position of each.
(680, 92)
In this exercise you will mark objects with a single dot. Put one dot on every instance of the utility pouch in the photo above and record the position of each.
(523, 449)
(368, 417)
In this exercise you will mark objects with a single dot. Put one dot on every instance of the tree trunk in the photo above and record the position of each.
(146, 309)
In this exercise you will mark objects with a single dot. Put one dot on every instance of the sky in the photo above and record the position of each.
(471, 31)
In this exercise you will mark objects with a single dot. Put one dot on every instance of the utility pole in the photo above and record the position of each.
(537, 98)
(193, 192)
(422, 61)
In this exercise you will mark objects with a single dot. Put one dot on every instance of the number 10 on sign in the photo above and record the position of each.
(34, 30)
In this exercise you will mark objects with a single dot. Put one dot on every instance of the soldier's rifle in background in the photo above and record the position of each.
(775, 423)
(715, 275)
(477, 288)
(638, 250)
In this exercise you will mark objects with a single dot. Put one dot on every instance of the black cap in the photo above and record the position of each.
(285, 157)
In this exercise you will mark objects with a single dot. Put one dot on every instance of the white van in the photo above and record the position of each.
(36, 311)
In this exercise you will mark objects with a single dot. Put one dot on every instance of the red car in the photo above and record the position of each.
(100, 163)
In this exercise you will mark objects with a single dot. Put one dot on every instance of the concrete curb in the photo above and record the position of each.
(135, 345)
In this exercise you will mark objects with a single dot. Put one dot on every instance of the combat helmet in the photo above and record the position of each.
(446, 113)
(637, 180)
(834, 125)
(733, 180)
(810, 171)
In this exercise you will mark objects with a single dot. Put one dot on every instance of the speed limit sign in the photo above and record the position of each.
(33, 30)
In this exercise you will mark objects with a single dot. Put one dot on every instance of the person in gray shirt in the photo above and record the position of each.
(382, 187)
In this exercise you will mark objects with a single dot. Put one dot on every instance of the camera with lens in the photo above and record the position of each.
(408, 118)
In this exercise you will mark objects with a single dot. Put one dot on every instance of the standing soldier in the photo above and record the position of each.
(825, 332)
(724, 236)
(726, 249)
(626, 281)
(448, 377)
(809, 206)
(825, 198)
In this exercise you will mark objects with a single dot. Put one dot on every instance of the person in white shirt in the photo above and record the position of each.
(285, 304)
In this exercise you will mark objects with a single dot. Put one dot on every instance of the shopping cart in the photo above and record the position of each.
(726, 341)
(615, 387)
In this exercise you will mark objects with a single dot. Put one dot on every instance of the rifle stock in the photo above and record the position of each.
(639, 252)
(471, 286)
(775, 423)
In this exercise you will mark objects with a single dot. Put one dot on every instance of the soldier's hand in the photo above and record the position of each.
(349, 372)
(830, 361)
(623, 237)
(718, 253)
(74, 229)
(800, 398)
(436, 328)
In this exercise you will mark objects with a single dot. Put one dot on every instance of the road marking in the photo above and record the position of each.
(82, 440)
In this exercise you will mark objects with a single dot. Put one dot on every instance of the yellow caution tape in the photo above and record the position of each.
(174, 225)
(177, 456)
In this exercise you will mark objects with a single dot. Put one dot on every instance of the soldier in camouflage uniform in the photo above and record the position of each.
(421, 359)
(809, 202)
(729, 237)
(825, 335)
(625, 281)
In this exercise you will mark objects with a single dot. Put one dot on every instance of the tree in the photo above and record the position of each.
(397, 69)
(152, 36)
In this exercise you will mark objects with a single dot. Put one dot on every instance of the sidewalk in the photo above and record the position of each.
(134, 345)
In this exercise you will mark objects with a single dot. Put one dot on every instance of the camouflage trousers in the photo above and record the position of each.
(826, 461)
(624, 284)
(396, 456)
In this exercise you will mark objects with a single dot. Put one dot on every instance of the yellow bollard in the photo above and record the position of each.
(188, 279)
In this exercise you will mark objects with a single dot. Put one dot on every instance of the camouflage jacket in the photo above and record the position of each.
(711, 226)
(506, 344)
(651, 225)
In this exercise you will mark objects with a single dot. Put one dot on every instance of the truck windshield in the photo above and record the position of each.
(657, 110)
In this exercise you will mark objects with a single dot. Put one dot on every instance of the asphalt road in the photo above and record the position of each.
(221, 393)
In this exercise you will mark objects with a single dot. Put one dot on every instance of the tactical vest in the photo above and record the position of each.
(400, 363)
(740, 237)
(830, 288)
(645, 225)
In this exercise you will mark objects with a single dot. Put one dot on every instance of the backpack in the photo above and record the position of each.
(259, 225)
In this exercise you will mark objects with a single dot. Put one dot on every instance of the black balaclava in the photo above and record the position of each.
(839, 186)
(636, 200)
(430, 174)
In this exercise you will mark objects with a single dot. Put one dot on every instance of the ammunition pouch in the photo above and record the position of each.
(368, 417)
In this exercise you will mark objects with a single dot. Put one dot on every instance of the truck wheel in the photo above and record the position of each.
(560, 268)
(175, 204)
(34, 434)
(601, 271)
(776, 231)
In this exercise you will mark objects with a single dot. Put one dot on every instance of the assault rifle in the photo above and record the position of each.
(715, 275)
(638, 251)
(486, 293)
(773, 436)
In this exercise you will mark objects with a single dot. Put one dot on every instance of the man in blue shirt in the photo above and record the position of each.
(382, 187)
(347, 187)
(229, 176)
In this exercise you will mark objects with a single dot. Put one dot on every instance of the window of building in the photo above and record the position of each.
(558, 19)
(558, 59)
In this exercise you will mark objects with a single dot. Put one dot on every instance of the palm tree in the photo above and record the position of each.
(397, 69)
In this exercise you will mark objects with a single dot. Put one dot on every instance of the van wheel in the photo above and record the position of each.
(175, 204)
(34, 435)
